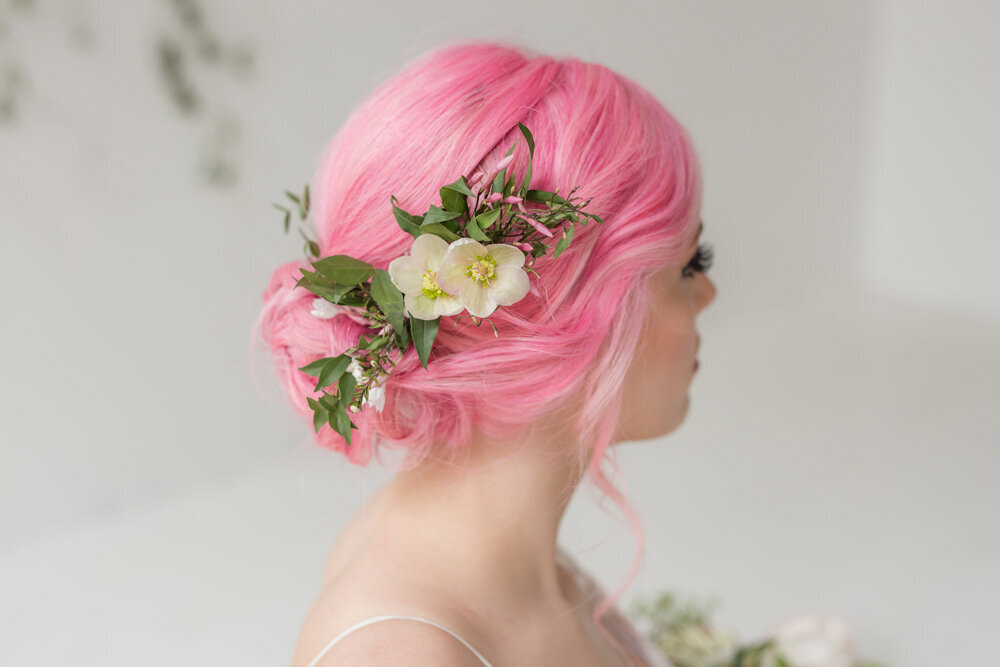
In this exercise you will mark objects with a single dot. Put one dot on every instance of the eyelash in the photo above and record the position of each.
(701, 262)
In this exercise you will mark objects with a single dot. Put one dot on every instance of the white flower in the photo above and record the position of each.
(815, 641)
(355, 369)
(323, 309)
(376, 397)
(416, 277)
(699, 646)
(483, 277)
(326, 310)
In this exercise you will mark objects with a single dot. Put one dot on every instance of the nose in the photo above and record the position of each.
(706, 292)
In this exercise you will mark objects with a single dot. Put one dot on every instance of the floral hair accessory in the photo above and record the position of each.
(472, 253)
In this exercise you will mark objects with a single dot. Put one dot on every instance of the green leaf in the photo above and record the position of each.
(332, 371)
(453, 201)
(314, 278)
(531, 154)
(320, 417)
(453, 196)
(567, 238)
(329, 402)
(305, 199)
(484, 220)
(424, 332)
(352, 298)
(544, 196)
(344, 270)
(475, 232)
(315, 367)
(508, 187)
(390, 300)
(408, 222)
(342, 424)
(375, 342)
(322, 286)
(460, 187)
(435, 214)
(438, 229)
(498, 181)
(345, 390)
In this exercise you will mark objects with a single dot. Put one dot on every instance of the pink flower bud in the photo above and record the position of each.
(526, 247)
(476, 178)
(502, 164)
(542, 229)
(513, 200)
(494, 198)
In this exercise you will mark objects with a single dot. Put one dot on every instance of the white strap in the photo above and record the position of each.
(375, 619)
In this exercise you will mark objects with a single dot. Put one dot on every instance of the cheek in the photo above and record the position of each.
(672, 345)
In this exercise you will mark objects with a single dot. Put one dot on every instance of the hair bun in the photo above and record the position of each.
(297, 337)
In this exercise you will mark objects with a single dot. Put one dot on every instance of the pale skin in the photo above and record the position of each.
(476, 549)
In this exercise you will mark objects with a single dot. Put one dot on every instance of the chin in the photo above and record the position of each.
(666, 423)
(678, 418)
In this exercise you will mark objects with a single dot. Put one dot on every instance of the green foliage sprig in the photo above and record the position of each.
(488, 208)
(683, 633)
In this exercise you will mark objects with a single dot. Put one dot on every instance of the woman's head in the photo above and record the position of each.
(568, 346)
(602, 345)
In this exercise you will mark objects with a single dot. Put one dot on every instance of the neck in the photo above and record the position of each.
(490, 520)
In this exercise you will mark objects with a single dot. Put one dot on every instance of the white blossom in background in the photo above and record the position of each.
(815, 641)
(697, 645)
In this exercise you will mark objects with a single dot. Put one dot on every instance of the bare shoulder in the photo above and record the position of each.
(348, 601)
(396, 642)
(362, 582)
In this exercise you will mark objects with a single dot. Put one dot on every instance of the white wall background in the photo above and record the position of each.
(841, 451)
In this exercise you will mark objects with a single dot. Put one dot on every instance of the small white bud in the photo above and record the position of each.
(323, 309)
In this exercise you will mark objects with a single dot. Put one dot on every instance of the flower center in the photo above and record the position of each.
(430, 287)
(482, 269)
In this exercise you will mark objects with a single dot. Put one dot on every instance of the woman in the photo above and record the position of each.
(456, 561)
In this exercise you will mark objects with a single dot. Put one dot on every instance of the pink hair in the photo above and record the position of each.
(569, 342)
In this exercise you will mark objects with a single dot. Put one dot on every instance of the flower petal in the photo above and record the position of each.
(407, 274)
(323, 309)
(476, 299)
(464, 241)
(420, 306)
(447, 305)
(451, 274)
(429, 250)
(509, 285)
(376, 397)
(505, 253)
